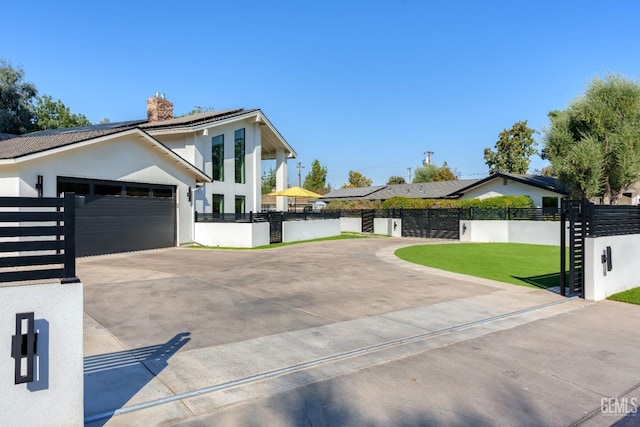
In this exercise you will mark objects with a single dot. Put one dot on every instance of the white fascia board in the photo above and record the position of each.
(200, 176)
(292, 153)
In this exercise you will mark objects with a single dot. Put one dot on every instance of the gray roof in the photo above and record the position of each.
(424, 190)
(197, 119)
(46, 140)
(348, 193)
(544, 182)
(35, 142)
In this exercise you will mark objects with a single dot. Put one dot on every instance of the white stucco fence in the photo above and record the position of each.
(232, 234)
(625, 252)
(56, 395)
(353, 225)
(531, 232)
(294, 231)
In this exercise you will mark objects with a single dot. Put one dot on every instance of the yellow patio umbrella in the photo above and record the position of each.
(295, 192)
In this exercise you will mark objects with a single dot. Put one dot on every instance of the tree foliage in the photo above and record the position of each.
(594, 145)
(16, 95)
(52, 114)
(316, 179)
(268, 181)
(491, 202)
(356, 179)
(396, 180)
(514, 148)
(444, 173)
(424, 173)
(23, 111)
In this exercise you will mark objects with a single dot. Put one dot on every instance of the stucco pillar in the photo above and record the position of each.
(256, 167)
(282, 203)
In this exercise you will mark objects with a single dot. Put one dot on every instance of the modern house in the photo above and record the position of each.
(142, 181)
(545, 191)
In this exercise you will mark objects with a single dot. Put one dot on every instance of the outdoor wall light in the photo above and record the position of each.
(395, 225)
(189, 194)
(40, 185)
(24, 347)
(464, 227)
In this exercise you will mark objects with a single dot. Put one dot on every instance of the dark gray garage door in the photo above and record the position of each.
(115, 216)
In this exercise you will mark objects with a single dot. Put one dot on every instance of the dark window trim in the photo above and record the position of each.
(122, 184)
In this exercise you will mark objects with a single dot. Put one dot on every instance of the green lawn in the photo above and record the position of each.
(526, 265)
(343, 236)
(631, 296)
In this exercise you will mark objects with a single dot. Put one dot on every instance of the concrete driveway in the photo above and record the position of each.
(343, 333)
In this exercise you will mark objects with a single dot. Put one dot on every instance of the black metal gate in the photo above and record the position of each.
(579, 215)
(367, 220)
(431, 223)
(275, 227)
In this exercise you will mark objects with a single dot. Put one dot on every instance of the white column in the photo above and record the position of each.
(282, 203)
(256, 166)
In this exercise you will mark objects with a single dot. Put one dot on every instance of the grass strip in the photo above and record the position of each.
(519, 264)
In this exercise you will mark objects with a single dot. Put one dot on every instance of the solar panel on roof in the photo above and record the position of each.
(98, 127)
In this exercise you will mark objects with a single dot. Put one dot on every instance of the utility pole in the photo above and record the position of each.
(300, 167)
(409, 174)
(427, 160)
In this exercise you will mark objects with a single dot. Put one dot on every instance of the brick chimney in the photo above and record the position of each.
(159, 108)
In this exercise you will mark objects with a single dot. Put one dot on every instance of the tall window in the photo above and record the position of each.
(217, 157)
(240, 204)
(239, 149)
(218, 204)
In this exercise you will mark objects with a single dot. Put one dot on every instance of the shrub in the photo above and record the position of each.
(337, 205)
(492, 202)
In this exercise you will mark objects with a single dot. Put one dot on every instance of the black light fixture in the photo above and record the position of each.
(40, 185)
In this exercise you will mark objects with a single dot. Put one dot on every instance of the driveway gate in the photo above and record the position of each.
(431, 223)
(367, 220)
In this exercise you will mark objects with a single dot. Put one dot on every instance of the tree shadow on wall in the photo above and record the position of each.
(112, 379)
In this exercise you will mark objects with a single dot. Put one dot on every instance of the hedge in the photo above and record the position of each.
(492, 202)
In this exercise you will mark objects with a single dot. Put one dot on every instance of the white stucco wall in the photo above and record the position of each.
(513, 188)
(625, 252)
(56, 397)
(396, 227)
(531, 232)
(197, 149)
(128, 158)
(351, 224)
(383, 226)
(294, 231)
(232, 234)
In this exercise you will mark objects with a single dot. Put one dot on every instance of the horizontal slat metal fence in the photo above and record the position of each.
(612, 220)
(37, 238)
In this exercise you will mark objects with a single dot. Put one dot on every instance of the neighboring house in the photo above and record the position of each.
(143, 180)
(631, 195)
(545, 191)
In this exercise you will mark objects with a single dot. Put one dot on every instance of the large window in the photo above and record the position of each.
(239, 150)
(240, 204)
(217, 157)
(218, 203)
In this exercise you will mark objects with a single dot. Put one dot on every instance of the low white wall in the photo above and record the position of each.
(351, 224)
(625, 252)
(56, 395)
(531, 232)
(293, 231)
(382, 226)
(396, 227)
(232, 234)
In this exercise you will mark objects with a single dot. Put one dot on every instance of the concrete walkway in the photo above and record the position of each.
(479, 352)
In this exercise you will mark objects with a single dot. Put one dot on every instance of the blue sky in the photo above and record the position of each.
(362, 85)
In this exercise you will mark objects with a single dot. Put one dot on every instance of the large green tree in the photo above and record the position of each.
(514, 149)
(424, 173)
(444, 173)
(52, 114)
(394, 180)
(594, 145)
(268, 181)
(316, 179)
(17, 115)
(356, 179)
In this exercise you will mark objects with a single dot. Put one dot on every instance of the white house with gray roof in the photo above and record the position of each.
(544, 191)
(142, 181)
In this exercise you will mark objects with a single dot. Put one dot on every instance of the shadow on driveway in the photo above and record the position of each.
(112, 379)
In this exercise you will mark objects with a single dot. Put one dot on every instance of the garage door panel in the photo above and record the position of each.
(111, 224)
